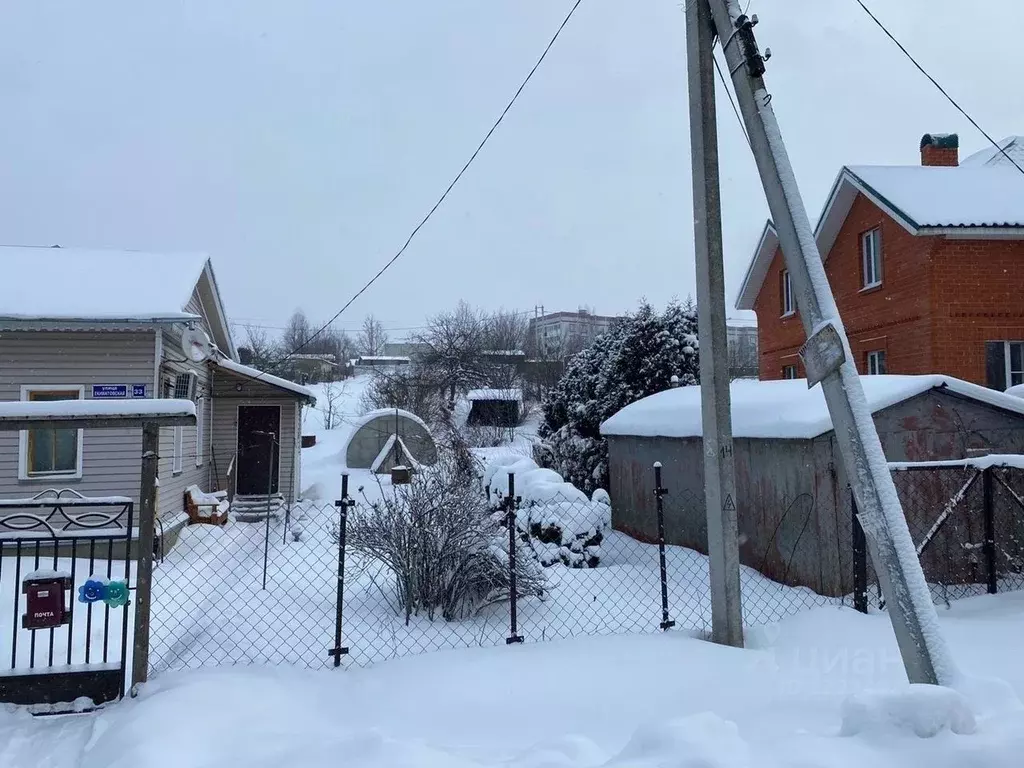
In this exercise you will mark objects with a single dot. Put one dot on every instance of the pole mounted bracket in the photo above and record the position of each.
(822, 354)
(748, 45)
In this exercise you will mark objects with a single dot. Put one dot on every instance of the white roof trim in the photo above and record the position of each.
(757, 270)
(833, 215)
(268, 378)
(225, 326)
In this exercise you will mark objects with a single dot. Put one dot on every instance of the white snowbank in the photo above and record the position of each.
(979, 462)
(924, 710)
(781, 409)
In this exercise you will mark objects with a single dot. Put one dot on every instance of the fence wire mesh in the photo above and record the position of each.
(416, 579)
(967, 524)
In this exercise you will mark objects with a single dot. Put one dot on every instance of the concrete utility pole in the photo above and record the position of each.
(716, 414)
(828, 360)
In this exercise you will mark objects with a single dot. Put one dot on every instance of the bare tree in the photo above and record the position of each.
(453, 347)
(506, 331)
(372, 337)
(329, 404)
(297, 333)
(438, 546)
(259, 348)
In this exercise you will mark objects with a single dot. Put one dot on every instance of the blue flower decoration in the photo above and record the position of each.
(92, 591)
(117, 594)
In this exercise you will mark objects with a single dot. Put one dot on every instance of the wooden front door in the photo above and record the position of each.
(258, 458)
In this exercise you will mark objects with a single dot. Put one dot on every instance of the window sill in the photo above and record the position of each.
(176, 473)
(871, 288)
(55, 479)
(787, 315)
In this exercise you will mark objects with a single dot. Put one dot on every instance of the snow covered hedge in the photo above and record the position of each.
(636, 358)
(556, 520)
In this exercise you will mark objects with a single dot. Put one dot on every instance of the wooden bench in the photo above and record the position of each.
(205, 508)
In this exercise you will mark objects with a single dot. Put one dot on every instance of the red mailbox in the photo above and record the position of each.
(45, 605)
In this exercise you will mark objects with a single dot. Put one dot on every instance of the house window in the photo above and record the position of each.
(871, 258)
(47, 453)
(1014, 363)
(200, 418)
(788, 305)
(176, 457)
(789, 372)
(876, 363)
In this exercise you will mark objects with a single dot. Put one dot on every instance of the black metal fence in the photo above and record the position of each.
(967, 524)
(65, 579)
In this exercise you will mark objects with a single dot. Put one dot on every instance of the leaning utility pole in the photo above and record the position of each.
(828, 360)
(716, 415)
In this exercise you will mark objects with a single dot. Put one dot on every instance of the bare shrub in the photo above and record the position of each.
(445, 552)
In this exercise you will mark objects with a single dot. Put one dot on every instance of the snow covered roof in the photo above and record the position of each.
(384, 359)
(1012, 146)
(1016, 391)
(267, 378)
(387, 413)
(978, 200)
(932, 196)
(15, 414)
(75, 284)
(781, 409)
(495, 394)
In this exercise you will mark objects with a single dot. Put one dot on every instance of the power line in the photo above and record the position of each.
(735, 109)
(934, 82)
(451, 186)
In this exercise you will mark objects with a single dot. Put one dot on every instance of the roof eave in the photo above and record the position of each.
(751, 286)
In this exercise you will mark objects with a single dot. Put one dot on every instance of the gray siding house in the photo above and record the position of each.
(792, 495)
(102, 324)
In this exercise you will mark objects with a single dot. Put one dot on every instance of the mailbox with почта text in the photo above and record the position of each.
(45, 603)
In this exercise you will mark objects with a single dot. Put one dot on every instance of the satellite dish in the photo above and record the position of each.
(195, 344)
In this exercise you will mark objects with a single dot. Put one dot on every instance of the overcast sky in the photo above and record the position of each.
(299, 142)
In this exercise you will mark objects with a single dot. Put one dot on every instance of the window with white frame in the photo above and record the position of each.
(789, 372)
(1014, 363)
(49, 453)
(176, 457)
(876, 363)
(786, 286)
(200, 419)
(871, 258)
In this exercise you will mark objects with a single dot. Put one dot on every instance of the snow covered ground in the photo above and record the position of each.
(668, 701)
(822, 687)
(213, 605)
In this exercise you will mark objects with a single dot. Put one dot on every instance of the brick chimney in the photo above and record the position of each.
(941, 149)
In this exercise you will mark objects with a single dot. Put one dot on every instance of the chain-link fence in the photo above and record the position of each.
(967, 525)
(376, 577)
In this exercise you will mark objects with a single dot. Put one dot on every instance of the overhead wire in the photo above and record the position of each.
(935, 82)
(448, 189)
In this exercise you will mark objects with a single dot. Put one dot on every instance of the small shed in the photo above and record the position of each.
(495, 407)
(792, 494)
(388, 438)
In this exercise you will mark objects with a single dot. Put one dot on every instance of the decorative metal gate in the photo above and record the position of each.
(65, 570)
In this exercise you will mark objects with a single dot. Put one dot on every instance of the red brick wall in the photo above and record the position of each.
(940, 300)
(978, 296)
(895, 317)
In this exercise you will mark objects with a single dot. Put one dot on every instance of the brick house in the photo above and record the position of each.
(926, 264)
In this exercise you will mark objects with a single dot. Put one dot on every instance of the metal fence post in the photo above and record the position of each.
(144, 575)
(343, 504)
(270, 488)
(860, 561)
(659, 493)
(510, 502)
(989, 547)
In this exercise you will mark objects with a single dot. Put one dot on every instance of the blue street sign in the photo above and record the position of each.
(138, 390)
(109, 391)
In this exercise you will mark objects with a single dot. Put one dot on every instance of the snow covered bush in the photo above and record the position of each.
(443, 550)
(636, 358)
(555, 519)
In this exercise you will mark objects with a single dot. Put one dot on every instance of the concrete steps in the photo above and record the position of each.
(251, 509)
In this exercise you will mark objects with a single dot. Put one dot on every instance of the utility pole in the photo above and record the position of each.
(828, 360)
(716, 415)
